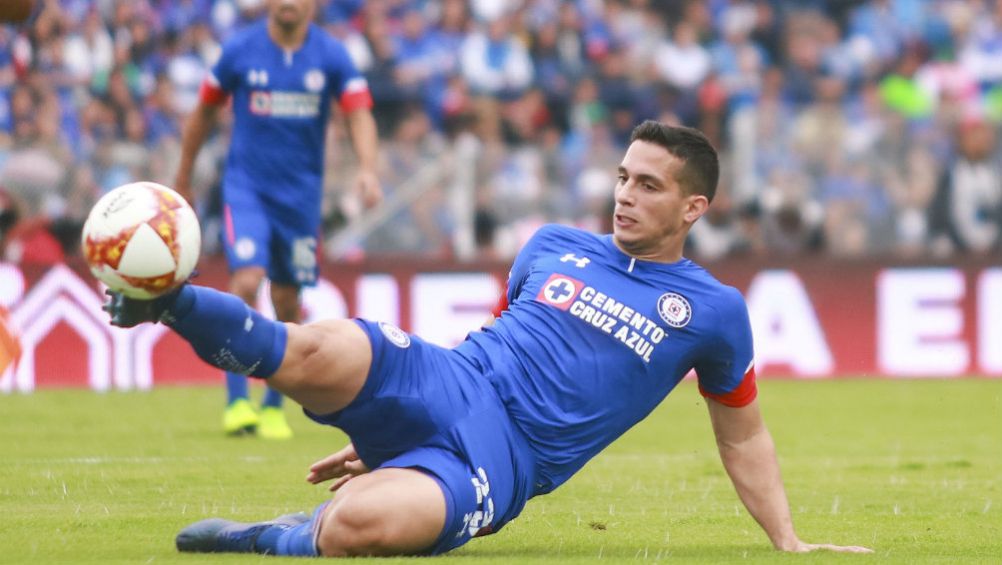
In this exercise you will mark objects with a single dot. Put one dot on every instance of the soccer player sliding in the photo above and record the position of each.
(448, 444)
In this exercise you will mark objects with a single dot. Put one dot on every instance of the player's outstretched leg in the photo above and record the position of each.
(321, 366)
(386, 512)
(216, 535)
(222, 330)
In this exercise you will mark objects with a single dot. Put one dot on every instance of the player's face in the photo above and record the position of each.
(290, 14)
(653, 212)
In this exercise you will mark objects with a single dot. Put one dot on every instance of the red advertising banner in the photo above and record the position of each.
(811, 319)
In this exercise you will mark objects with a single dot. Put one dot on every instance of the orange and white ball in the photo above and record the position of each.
(142, 239)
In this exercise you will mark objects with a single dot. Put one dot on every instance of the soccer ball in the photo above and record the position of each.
(141, 239)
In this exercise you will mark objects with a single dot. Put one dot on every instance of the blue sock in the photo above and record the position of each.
(292, 540)
(272, 398)
(226, 333)
(236, 387)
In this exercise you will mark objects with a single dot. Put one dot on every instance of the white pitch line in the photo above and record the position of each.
(138, 460)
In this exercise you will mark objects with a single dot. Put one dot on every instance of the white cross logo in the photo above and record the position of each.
(559, 291)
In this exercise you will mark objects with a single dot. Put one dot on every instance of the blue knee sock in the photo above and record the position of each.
(226, 333)
(236, 387)
(272, 398)
(295, 540)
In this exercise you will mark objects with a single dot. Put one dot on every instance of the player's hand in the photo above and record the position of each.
(801, 547)
(343, 466)
(368, 189)
(127, 312)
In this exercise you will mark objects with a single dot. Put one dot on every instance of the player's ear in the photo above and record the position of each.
(695, 206)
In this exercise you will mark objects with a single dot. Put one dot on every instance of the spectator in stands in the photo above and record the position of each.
(858, 214)
(803, 55)
(966, 214)
(389, 97)
(911, 184)
(618, 95)
(821, 128)
(559, 62)
(445, 39)
(901, 91)
(981, 52)
(413, 57)
(30, 236)
(88, 47)
(765, 78)
(790, 217)
(423, 227)
(494, 62)
(683, 64)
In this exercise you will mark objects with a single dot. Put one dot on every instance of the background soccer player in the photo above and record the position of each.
(282, 74)
(597, 331)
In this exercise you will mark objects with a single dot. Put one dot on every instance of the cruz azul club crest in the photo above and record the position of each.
(674, 309)
(559, 291)
(314, 80)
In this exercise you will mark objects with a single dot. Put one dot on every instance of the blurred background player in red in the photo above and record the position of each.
(282, 74)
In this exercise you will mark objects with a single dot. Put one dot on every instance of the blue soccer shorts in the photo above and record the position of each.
(259, 233)
(426, 407)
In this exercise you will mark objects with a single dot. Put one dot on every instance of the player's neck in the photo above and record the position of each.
(287, 38)
(669, 254)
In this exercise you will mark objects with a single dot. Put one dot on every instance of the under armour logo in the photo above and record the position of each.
(578, 261)
(257, 77)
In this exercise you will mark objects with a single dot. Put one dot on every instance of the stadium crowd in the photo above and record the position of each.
(847, 127)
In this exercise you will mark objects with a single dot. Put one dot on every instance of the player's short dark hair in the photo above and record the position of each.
(701, 171)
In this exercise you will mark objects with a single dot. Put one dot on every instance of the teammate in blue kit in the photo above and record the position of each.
(282, 74)
(449, 444)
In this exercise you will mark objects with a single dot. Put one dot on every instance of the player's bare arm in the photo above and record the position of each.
(364, 139)
(749, 456)
(199, 124)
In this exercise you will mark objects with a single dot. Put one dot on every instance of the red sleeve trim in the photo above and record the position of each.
(357, 100)
(502, 304)
(356, 95)
(210, 93)
(742, 395)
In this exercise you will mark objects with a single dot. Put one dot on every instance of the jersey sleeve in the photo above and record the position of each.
(221, 80)
(522, 265)
(210, 92)
(350, 87)
(726, 370)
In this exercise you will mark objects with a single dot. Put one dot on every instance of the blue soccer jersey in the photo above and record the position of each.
(593, 340)
(281, 104)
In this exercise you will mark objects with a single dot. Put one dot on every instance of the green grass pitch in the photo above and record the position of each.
(911, 468)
